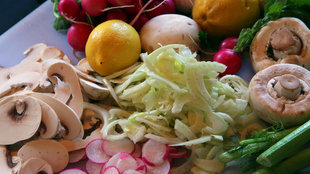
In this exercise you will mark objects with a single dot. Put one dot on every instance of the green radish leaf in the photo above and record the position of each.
(61, 23)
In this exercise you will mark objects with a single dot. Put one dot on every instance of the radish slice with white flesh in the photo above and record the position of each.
(94, 152)
(77, 156)
(138, 151)
(131, 172)
(73, 171)
(141, 166)
(110, 170)
(178, 153)
(113, 147)
(93, 168)
(164, 168)
(154, 153)
(123, 161)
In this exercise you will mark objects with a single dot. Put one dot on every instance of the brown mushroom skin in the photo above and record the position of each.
(286, 40)
(271, 107)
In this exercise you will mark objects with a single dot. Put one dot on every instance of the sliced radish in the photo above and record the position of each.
(123, 161)
(164, 168)
(93, 168)
(73, 171)
(95, 153)
(130, 171)
(111, 170)
(179, 153)
(141, 166)
(154, 153)
(113, 147)
(138, 151)
(77, 155)
(173, 150)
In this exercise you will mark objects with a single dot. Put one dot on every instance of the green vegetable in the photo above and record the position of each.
(60, 23)
(261, 141)
(286, 146)
(293, 164)
(274, 9)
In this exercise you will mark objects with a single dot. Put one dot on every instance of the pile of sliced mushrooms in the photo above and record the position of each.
(44, 124)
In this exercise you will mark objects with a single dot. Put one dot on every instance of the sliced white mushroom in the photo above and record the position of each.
(94, 91)
(27, 80)
(77, 145)
(51, 53)
(68, 118)
(67, 74)
(35, 166)
(5, 168)
(20, 120)
(34, 53)
(51, 151)
(62, 91)
(83, 66)
(50, 121)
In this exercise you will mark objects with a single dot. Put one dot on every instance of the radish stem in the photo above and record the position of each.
(285, 146)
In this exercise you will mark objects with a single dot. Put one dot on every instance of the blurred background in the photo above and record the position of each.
(13, 11)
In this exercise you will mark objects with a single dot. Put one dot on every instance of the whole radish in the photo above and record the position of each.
(140, 22)
(159, 7)
(229, 43)
(69, 9)
(94, 7)
(77, 35)
(229, 58)
(137, 5)
(120, 2)
(116, 14)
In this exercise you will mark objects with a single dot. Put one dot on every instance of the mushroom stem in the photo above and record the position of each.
(20, 106)
(288, 86)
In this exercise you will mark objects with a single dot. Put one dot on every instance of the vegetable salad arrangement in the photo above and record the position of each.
(157, 92)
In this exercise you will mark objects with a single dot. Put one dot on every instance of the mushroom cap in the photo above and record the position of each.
(35, 166)
(50, 151)
(273, 108)
(4, 166)
(161, 30)
(67, 117)
(20, 119)
(261, 44)
(94, 91)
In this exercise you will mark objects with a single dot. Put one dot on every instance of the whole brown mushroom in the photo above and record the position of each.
(280, 93)
(285, 40)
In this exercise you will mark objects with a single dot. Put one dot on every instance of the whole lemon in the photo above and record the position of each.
(112, 46)
(225, 17)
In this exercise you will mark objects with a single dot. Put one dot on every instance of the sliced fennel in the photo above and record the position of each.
(176, 99)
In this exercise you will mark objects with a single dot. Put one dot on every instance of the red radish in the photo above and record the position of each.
(116, 14)
(141, 166)
(93, 168)
(229, 58)
(111, 170)
(229, 43)
(140, 22)
(82, 16)
(120, 2)
(77, 35)
(173, 150)
(77, 155)
(154, 152)
(73, 171)
(94, 7)
(69, 8)
(95, 153)
(179, 153)
(159, 7)
(113, 147)
(138, 4)
(138, 151)
(164, 168)
(130, 171)
(123, 161)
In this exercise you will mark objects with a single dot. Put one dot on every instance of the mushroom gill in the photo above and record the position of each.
(285, 40)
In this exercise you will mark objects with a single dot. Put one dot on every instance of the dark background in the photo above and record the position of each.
(13, 11)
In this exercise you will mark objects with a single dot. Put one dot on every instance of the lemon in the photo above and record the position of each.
(112, 46)
(225, 17)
